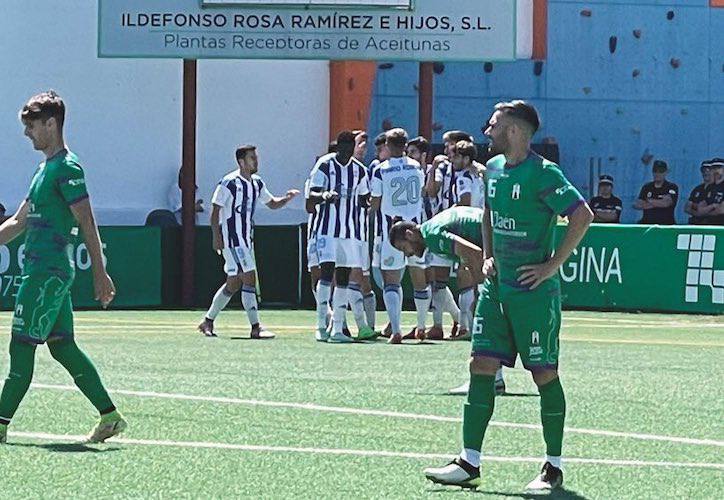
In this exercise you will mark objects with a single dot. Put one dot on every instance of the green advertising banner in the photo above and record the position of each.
(647, 268)
(133, 257)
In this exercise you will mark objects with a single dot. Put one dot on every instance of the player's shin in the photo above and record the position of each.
(393, 304)
(450, 307)
(324, 291)
(22, 362)
(340, 307)
(438, 302)
(248, 300)
(422, 304)
(467, 297)
(476, 415)
(370, 305)
(356, 302)
(553, 415)
(220, 301)
(84, 373)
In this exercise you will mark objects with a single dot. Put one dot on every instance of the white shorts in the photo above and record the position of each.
(388, 258)
(238, 260)
(439, 260)
(364, 257)
(312, 257)
(342, 251)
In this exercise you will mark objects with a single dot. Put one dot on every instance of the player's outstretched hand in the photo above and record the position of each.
(489, 267)
(292, 193)
(533, 275)
(105, 290)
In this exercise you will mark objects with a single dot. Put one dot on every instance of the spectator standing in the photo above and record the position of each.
(712, 208)
(658, 199)
(606, 207)
(698, 194)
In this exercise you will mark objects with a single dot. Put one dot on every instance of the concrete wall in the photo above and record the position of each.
(124, 116)
(588, 96)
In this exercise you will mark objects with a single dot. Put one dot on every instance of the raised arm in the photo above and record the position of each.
(279, 201)
(15, 225)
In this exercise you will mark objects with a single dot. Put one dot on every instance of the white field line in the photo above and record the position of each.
(383, 413)
(362, 453)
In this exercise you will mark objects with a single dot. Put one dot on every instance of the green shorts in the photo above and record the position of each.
(43, 310)
(527, 324)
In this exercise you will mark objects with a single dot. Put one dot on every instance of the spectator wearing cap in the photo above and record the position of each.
(698, 194)
(606, 207)
(658, 198)
(712, 208)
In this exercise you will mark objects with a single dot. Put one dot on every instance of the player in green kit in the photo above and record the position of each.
(56, 207)
(519, 310)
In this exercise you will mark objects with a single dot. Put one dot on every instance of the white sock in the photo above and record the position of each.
(450, 305)
(438, 303)
(393, 304)
(356, 302)
(221, 299)
(422, 304)
(555, 461)
(471, 456)
(248, 300)
(467, 297)
(340, 308)
(370, 305)
(499, 374)
(324, 290)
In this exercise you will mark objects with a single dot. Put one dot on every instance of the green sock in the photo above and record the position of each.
(553, 416)
(478, 410)
(22, 362)
(84, 373)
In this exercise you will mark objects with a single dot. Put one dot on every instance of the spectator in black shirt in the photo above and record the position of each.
(698, 194)
(606, 207)
(658, 199)
(713, 205)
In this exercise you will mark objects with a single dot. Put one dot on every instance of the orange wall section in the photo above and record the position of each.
(350, 95)
(717, 3)
(540, 29)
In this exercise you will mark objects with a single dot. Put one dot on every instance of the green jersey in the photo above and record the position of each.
(525, 201)
(51, 229)
(465, 222)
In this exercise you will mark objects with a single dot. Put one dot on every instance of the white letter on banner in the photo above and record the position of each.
(572, 265)
(614, 267)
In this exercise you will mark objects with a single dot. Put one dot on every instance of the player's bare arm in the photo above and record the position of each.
(15, 225)
(217, 241)
(472, 256)
(488, 258)
(279, 201)
(578, 222)
(105, 290)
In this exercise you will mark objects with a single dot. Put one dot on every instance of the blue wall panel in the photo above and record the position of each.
(601, 115)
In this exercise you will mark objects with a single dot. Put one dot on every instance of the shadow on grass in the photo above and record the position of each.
(559, 494)
(66, 447)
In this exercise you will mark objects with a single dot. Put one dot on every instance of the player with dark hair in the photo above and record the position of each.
(232, 229)
(519, 310)
(55, 211)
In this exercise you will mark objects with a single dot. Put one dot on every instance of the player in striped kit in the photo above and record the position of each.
(339, 186)
(232, 228)
(396, 188)
(444, 187)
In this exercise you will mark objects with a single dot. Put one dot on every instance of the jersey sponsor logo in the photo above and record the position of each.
(76, 182)
(515, 194)
(700, 270)
(535, 351)
(563, 189)
(535, 338)
(590, 264)
(500, 222)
